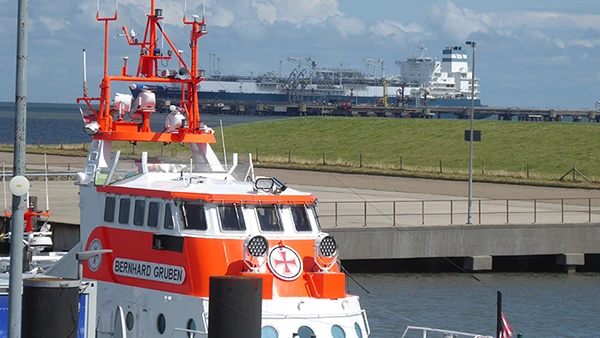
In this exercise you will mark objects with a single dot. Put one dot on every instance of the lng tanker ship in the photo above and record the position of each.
(423, 80)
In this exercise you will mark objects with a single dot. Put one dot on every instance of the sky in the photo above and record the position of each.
(530, 53)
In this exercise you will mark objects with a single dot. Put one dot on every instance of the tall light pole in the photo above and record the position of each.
(470, 198)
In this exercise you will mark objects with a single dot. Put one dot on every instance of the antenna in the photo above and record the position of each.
(84, 75)
(46, 174)
(184, 8)
(203, 10)
(4, 183)
(223, 141)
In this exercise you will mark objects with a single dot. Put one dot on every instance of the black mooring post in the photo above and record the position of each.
(498, 314)
(235, 299)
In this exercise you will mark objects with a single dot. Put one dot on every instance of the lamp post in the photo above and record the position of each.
(470, 197)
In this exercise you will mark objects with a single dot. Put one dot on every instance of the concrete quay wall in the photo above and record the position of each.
(475, 246)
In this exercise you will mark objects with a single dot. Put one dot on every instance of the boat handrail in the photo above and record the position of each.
(446, 333)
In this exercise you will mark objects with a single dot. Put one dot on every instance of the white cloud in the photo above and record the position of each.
(449, 19)
(265, 11)
(458, 22)
(397, 30)
(348, 26)
(54, 25)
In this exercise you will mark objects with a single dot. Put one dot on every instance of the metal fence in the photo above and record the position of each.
(449, 212)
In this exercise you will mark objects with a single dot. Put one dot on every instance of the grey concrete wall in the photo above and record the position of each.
(463, 241)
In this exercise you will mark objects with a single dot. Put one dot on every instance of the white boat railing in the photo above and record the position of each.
(445, 333)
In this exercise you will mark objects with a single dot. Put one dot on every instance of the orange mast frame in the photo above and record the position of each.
(148, 72)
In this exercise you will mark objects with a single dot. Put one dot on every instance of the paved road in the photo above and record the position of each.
(376, 194)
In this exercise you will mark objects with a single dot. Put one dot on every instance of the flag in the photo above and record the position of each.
(505, 331)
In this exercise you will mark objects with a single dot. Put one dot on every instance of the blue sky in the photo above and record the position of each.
(530, 53)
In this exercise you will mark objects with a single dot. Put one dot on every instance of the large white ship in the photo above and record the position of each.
(422, 81)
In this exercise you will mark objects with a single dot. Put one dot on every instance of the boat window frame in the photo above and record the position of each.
(184, 213)
(158, 216)
(114, 208)
(169, 206)
(121, 220)
(277, 210)
(143, 212)
(315, 215)
(239, 213)
(307, 217)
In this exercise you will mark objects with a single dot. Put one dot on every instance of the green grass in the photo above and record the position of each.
(549, 149)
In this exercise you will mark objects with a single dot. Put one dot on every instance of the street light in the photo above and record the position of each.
(470, 198)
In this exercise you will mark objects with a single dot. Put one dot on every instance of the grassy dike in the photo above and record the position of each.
(508, 151)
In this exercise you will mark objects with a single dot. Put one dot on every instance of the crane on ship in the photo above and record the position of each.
(374, 63)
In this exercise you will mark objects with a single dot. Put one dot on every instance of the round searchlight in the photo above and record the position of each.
(257, 246)
(328, 246)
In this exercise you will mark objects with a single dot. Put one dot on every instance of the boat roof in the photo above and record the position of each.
(208, 187)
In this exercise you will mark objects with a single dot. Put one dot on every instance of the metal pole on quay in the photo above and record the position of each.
(470, 197)
(19, 184)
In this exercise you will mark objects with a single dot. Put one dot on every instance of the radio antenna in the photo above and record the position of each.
(4, 183)
(46, 174)
(223, 141)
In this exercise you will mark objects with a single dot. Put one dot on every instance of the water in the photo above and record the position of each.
(537, 305)
(50, 123)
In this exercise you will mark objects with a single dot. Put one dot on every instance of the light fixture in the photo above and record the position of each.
(255, 252)
(326, 252)
(92, 128)
(263, 183)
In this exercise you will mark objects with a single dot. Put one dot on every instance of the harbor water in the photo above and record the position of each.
(45, 119)
(536, 305)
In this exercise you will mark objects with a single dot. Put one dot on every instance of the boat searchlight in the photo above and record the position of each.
(255, 252)
(326, 252)
(269, 184)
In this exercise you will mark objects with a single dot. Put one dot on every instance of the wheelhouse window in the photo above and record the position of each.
(168, 217)
(109, 209)
(124, 209)
(268, 218)
(139, 211)
(153, 214)
(193, 215)
(232, 218)
(301, 219)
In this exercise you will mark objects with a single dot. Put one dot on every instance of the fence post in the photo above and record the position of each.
(335, 213)
(68, 166)
(365, 209)
(590, 210)
(39, 142)
(422, 212)
(256, 154)
(534, 211)
(527, 170)
(400, 162)
(323, 158)
(451, 212)
(479, 211)
(507, 219)
(440, 165)
(360, 161)
(290, 156)
(394, 213)
(61, 144)
(482, 169)
(562, 210)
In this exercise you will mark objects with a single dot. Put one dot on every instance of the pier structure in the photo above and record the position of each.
(296, 109)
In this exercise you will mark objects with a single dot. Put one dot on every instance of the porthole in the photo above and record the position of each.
(191, 325)
(129, 321)
(337, 332)
(305, 332)
(161, 323)
(358, 330)
(268, 332)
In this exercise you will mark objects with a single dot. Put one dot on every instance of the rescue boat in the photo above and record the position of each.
(167, 228)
